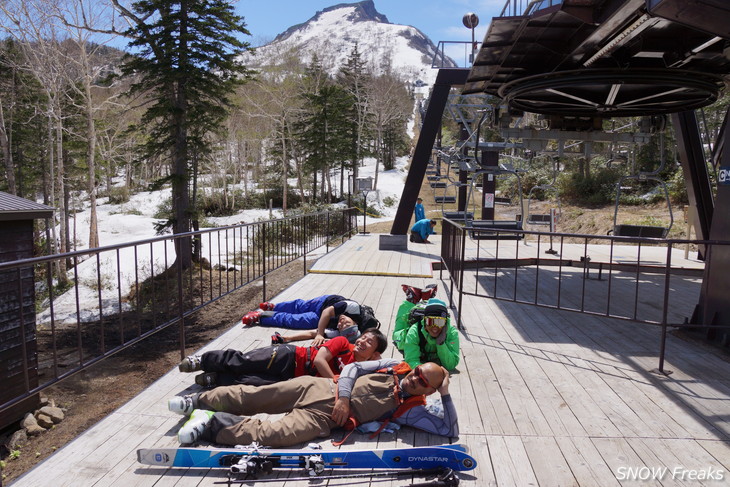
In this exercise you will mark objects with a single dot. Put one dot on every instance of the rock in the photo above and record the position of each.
(56, 414)
(28, 421)
(17, 439)
(44, 420)
(44, 401)
(34, 430)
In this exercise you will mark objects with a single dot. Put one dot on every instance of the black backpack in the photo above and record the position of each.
(416, 314)
(367, 318)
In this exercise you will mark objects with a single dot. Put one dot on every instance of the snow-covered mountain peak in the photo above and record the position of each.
(347, 12)
(333, 32)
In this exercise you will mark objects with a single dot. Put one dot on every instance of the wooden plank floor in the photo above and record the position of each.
(545, 397)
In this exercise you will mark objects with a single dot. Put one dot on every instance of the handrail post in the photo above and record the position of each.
(263, 261)
(665, 311)
(461, 275)
(180, 299)
(304, 242)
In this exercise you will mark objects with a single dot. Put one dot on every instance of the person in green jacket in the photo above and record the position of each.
(414, 297)
(429, 337)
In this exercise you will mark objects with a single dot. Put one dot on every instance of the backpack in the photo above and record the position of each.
(416, 313)
(367, 318)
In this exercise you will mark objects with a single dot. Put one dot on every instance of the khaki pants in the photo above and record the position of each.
(307, 402)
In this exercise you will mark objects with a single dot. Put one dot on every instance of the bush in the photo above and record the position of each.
(678, 189)
(371, 210)
(118, 195)
(597, 189)
(389, 201)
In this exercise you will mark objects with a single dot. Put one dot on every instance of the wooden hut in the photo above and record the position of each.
(18, 351)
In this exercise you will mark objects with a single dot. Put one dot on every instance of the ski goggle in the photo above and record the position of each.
(421, 378)
(438, 321)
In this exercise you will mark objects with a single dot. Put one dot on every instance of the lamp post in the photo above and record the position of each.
(471, 20)
(364, 186)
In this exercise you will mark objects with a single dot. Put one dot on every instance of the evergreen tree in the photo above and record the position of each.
(322, 131)
(354, 78)
(23, 131)
(186, 68)
(395, 142)
(322, 128)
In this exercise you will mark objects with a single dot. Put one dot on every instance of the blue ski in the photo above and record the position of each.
(248, 459)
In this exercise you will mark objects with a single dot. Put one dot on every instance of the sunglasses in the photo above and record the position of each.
(438, 321)
(421, 378)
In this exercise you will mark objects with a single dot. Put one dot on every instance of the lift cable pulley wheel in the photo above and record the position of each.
(612, 92)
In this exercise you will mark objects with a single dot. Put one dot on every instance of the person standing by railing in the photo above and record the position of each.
(419, 211)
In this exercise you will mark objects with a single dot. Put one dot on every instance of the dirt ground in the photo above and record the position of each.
(90, 396)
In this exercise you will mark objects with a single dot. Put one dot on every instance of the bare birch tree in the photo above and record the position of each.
(78, 19)
(38, 38)
(388, 101)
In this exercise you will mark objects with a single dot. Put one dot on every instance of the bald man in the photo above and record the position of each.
(366, 391)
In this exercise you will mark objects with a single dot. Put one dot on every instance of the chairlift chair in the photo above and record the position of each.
(496, 229)
(648, 231)
(541, 218)
(464, 216)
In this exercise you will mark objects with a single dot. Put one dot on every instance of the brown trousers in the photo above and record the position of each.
(307, 402)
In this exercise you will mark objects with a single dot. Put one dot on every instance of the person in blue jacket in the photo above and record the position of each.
(421, 230)
(325, 316)
(419, 211)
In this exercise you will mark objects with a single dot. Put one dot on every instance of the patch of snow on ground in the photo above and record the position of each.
(134, 221)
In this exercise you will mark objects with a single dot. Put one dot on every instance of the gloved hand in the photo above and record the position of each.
(441, 337)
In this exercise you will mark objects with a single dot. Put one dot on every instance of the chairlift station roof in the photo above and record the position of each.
(606, 58)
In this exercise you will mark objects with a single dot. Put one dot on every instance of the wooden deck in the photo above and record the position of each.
(544, 397)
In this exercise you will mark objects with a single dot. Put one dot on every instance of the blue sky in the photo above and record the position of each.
(440, 20)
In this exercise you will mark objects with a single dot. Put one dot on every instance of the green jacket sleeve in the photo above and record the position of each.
(401, 318)
(448, 353)
(412, 347)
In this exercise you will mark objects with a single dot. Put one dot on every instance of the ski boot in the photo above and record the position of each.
(183, 404)
(429, 292)
(193, 429)
(207, 379)
(413, 294)
(251, 318)
(267, 306)
(189, 364)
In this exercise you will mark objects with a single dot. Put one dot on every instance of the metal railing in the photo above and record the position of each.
(454, 54)
(116, 296)
(519, 8)
(622, 281)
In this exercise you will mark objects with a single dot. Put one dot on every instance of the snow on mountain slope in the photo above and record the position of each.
(333, 32)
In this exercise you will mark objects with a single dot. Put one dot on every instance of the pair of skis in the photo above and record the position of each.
(442, 460)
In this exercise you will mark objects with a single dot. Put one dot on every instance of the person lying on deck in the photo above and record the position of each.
(321, 316)
(423, 331)
(282, 362)
(384, 390)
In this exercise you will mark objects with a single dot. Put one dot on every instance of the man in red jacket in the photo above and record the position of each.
(281, 362)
